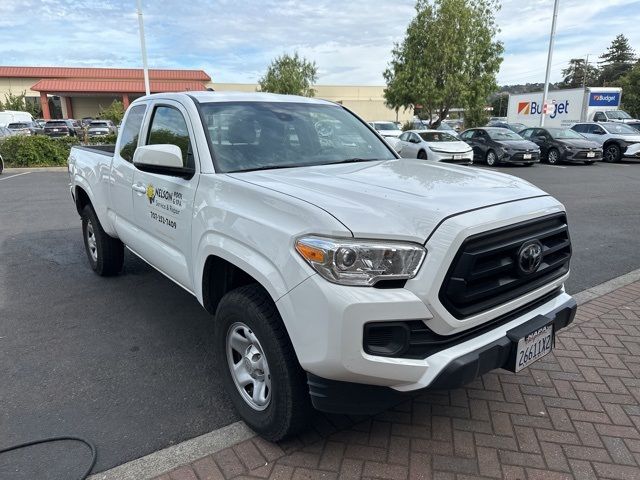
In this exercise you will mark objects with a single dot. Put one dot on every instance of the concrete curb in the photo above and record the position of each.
(186, 452)
(169, 458)
(607, 287)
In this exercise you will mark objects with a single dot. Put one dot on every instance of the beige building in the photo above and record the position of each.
(64, 92)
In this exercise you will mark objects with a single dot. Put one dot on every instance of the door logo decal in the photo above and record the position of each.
(151, 194)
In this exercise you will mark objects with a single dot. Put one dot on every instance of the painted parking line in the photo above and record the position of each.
(555, 166)
(14, 176)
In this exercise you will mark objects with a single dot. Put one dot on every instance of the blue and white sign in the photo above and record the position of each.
(604, 99)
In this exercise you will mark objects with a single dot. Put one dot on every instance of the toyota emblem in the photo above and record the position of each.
(530, 257)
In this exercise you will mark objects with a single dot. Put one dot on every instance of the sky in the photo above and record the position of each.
(234, 40)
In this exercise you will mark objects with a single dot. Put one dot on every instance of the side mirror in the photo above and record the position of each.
(163, 159)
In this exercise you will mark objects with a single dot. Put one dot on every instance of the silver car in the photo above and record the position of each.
(100, 128)
(618, 140)
(432, 145)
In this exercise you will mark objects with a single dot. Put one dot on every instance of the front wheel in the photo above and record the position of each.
(612, 153)
(553, 157)
(492, 159)
(105, 253)
(258, 364)
(422, 155)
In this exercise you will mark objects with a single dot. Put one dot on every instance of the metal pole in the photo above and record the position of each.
(143, 47)
(549, 56)
(586, 67)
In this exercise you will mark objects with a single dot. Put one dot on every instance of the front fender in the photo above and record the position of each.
(242, 256)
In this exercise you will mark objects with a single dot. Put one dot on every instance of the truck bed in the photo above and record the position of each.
(107, 150)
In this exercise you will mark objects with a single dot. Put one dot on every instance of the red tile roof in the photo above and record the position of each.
(113, 86)
(102, 73)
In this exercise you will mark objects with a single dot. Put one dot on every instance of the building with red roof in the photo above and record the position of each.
(66, 92)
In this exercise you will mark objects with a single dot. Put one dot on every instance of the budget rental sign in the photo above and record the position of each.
(608, 99)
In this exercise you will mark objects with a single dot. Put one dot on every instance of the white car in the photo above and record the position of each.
(386, 129)
(436, 145)
(338, 274)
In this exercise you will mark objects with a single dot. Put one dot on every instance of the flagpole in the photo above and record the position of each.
(549, 56)
(143, 48)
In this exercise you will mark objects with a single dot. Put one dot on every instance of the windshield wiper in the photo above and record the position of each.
(354, 160)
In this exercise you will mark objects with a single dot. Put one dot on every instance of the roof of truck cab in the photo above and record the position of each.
(210, 96)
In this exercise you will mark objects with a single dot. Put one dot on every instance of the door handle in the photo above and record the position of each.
(139, 188)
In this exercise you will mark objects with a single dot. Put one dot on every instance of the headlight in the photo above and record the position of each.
(439, 150)
(361, 262)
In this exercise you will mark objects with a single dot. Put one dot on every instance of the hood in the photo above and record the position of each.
(390, 133)
(578, 142)
(402, 199)
(452, 147)
(518, 144)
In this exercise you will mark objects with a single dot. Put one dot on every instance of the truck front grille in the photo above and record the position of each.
(487, 270)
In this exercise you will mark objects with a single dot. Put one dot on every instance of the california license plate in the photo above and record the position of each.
(527, 156)
(591, 154)
(534, 346)
(457, 157)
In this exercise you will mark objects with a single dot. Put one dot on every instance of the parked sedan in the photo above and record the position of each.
(62, 128)
(563, 145)
(99, 128)
(495, 145)
(386, 129)
(618, 140)
(432, 145)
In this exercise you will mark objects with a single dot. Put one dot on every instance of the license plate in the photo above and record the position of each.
(534, 346)
(457, 157)
(527, 156)
(56, 130)
(591, 154)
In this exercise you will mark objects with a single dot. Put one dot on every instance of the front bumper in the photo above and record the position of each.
(518, 158)
(465, 158)
(580, 156)
(632, 151)
(352, 398)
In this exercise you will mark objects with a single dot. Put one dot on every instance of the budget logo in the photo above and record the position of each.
(524, 108)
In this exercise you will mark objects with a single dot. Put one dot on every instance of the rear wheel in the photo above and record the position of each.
(258, 364)
(612, 153)
(422, 155)
(105, 253)
(492, 159)
(553, 157)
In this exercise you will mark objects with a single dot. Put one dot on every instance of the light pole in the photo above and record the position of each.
(549, 57)
(143, 48)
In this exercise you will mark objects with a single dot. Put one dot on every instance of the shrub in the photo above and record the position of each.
(42, 151)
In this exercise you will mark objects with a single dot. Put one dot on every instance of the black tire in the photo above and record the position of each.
(289, 408)
(491, 159)
(105, 253)
(612, 153)
(422, 155)
(553, 156)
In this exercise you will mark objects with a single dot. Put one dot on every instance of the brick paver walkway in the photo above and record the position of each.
(572, 415)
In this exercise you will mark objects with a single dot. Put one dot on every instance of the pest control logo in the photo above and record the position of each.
(524, 108)
(151, 194)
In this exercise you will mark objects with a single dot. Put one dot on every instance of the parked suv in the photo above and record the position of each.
(23, 128)
(618, 140)
(98, 128)
(62, 128)
(494, 145)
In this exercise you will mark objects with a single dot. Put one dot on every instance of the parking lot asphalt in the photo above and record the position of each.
(127, 362)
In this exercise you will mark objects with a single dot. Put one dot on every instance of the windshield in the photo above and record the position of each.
(263, 135)
(621, 128)
(618, 114)
(385, 126)
(59, 123)
(437, 137)
(503, 134)
(561, 133)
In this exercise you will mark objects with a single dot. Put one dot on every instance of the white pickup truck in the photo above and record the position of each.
(340, 275)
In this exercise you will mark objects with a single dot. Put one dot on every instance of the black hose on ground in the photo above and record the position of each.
(91, 446)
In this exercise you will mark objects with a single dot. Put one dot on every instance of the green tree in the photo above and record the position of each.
(630, 84)
(499, 103)
(449, 57)
(574, 74)
(617, 60)
(113, 112)
(14, 102)
(290, 75)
